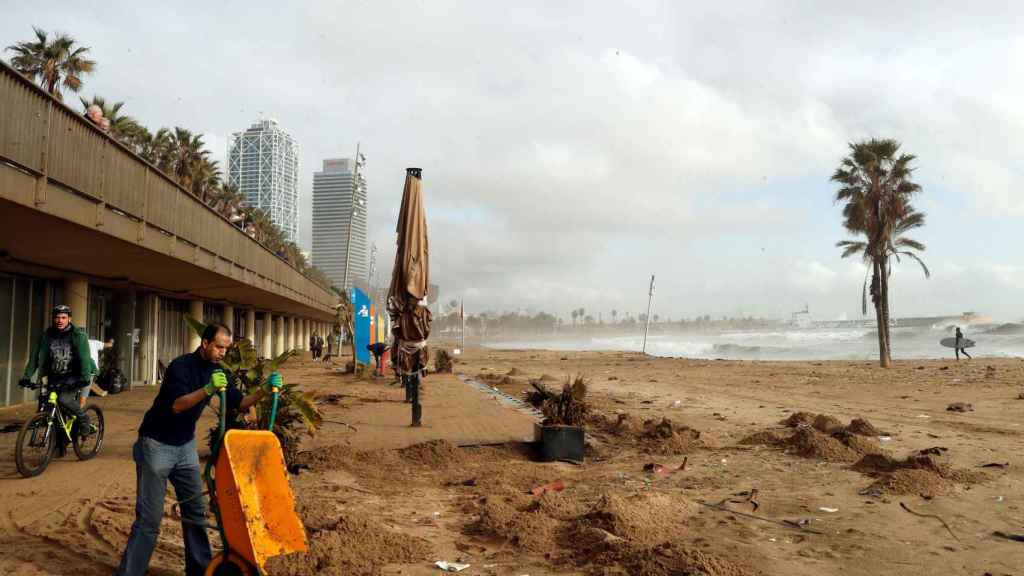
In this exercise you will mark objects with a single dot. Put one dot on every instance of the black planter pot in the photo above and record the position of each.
(560, 442)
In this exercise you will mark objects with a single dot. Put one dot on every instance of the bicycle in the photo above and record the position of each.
(50, 430)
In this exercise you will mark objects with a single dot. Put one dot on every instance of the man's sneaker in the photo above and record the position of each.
(87, 430)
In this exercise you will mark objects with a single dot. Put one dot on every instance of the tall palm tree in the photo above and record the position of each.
(56, 63)
(122, 126)
(575, 313)
(615, 313)
(876, 189)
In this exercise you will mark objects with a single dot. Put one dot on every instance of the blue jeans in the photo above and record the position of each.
(155, 464)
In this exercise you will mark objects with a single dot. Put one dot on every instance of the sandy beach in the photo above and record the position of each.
(386, 499)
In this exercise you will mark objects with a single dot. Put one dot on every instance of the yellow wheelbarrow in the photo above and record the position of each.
(250, 497)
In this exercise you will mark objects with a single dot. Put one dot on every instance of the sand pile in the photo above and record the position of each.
(638, 534)
(518, 520)
(333, 457)
(829, 424)
(651, 436)
(822, 437)
(925, 472)
(432, 453)
(348, 543)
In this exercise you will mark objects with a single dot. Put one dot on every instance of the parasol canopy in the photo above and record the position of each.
(410, 278)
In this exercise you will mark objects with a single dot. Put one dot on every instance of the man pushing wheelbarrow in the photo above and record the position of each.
(245, 474)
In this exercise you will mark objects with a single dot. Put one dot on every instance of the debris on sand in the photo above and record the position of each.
(960, 407)
(515, 372)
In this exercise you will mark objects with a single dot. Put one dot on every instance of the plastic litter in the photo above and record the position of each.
(829, 510)
(450, 566)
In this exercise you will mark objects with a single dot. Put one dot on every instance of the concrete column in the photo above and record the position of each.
(229, 317)
(267, 347)
(76, 295)
(195, 309)
(301, 336)
(279, 336)
(293, 333)
(250, 325)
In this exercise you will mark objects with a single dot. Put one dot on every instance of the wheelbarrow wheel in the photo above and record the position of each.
(229, 564)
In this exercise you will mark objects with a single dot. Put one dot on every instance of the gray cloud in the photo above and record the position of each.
(570, 150)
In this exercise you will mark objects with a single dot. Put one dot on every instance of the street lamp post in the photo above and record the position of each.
(356, 187)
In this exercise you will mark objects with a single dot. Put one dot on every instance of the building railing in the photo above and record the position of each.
(46, 138)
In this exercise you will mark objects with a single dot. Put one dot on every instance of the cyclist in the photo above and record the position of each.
(166, 450)
(62, 356)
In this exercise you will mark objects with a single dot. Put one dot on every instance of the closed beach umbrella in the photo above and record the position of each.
(410, 279)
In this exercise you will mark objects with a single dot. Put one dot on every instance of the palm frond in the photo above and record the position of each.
(927, 273)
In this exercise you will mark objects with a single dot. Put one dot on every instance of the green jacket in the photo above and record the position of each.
(39, 361)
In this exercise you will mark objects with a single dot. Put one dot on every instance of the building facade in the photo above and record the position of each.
(339, 202)
(263, 163)
(132, 251)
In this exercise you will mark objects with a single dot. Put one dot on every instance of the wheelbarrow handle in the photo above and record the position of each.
(273, 406)
(275, 388)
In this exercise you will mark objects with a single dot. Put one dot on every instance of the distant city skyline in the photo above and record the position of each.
(336, 193)
(263, 164)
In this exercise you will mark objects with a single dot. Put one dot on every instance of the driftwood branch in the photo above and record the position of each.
(784, 523)
(948, 529)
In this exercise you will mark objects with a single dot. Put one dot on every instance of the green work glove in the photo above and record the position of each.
(218, 382)
(274, 381)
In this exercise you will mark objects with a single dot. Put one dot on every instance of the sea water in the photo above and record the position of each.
(789, 343)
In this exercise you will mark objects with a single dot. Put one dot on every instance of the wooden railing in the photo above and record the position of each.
(42, 136)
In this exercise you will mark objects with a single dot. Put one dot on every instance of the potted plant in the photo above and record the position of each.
(560, 434)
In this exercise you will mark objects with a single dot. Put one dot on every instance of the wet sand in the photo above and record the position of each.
(373, 509)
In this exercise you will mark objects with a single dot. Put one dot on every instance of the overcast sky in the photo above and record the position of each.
(571, 149)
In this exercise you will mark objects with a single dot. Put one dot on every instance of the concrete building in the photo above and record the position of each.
(85, 222)
(263, 163)
(337, 192)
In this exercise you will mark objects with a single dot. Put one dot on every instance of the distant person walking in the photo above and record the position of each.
(378, 349)
(313, 339)
(960, 346)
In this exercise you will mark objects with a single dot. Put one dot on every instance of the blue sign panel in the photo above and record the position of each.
(361, 306)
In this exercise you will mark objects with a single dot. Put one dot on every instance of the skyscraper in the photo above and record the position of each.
(263, 163)
(336, 193)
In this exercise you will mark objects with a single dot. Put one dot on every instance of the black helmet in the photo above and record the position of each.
(62, 309)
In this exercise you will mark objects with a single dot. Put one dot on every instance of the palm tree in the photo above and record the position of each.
(876, 187)
(205, 178)
(614, 314)
(186, 155)
(57, 64)
(575, 313)
(122, 127)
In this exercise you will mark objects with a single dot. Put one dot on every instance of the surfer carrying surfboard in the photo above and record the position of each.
(960, 345)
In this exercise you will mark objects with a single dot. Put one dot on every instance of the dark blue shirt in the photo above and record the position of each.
(186, 374)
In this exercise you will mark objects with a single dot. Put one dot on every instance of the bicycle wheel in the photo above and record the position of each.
(34, 449)
(87, 447)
